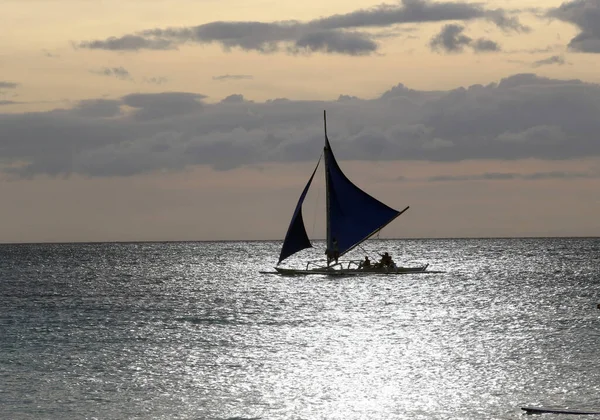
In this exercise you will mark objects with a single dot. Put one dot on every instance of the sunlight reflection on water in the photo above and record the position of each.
(193, 330)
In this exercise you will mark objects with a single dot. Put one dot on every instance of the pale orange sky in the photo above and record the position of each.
(34, 28)
(132, 190)
(248, 203)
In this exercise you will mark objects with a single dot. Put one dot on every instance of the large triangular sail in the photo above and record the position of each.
(296, 238)
(352, 214)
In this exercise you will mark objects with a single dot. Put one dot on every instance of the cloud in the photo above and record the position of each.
(485, 45)
(560, 175)
(8, 85)
(97, 108)
(225, 77)
(349, 33)
(555, 59)
(350, 43)
(233, 99)
(452, 40)
(49, 54)
(585, 14)
(522, 116)
(503, 176)
(7, 102)
(418, 11)
(157, 106)
(530, 79)
(156, 80)
(544, 50)
(506, 22)
(119, 72)
(540, 135)
(4, 92)
(127, 43)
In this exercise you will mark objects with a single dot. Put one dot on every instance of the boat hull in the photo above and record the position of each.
(543, 410)
(329, 271)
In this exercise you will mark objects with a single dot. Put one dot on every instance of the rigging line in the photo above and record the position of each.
(367, 253)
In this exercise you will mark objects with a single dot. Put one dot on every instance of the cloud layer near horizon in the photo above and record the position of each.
(341, 33)
(522, 116)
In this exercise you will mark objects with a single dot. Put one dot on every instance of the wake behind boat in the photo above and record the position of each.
(353, 216)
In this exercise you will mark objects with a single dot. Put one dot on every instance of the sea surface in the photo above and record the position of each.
(192, 330)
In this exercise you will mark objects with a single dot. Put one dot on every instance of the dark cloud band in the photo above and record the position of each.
(522, 116)
(337, 34)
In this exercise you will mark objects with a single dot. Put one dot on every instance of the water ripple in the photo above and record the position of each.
(193, 330)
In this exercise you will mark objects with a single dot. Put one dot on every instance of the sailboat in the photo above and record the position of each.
(353, 216)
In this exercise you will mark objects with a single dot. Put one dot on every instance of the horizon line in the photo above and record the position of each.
(281, 240)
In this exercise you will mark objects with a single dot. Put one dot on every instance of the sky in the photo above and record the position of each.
(143, 120)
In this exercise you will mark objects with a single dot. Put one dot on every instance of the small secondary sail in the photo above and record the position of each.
(353, 215)
(296, 238)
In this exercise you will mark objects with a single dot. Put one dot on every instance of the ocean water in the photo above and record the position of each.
(193, 331)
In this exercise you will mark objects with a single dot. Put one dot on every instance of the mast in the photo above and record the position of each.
(329, 245)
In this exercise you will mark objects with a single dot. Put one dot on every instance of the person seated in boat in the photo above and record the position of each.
(366, 263)
(386, 260)
(333, 254)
